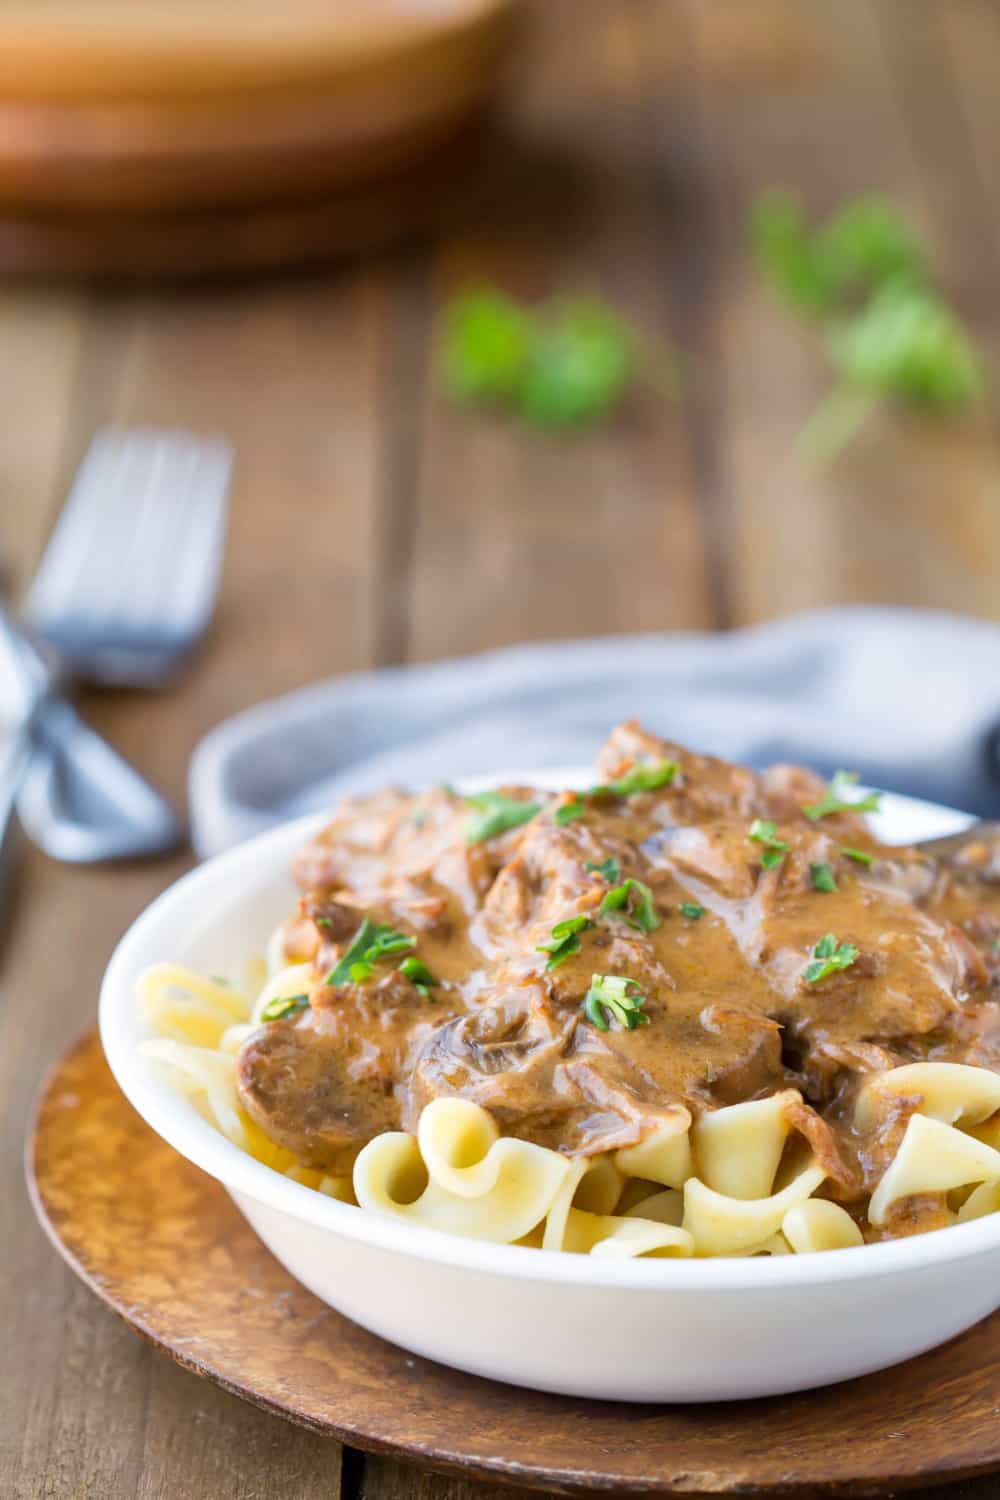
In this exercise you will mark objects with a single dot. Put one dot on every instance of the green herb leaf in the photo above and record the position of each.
(763, 831)
(828, 957)
(613, 997)
(568, 812)
(370, 943)
(784, 252)
(639, 779)
(565, 940)
(355, 952)
(495, 813)
(283, 1006)
(486, 345)
(635, 898)
(691, 910)
(609, 868)
(864, 246)
(834, 801)
(419, 976)
(822, 878)
(580, 363)
(386, 942)
(860, 856)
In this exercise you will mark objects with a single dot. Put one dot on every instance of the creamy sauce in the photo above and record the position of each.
(731, 1015)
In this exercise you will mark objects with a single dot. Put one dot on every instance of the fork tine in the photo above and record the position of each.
(169, 473)
(133, 562)
(201, 542)
(71, 547)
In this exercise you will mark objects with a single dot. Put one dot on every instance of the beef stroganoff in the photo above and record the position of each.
(691, 1010)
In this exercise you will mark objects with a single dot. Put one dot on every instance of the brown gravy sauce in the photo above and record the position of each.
(731, 1016)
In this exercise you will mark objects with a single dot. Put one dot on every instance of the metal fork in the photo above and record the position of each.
(129, 577)
(126, 586)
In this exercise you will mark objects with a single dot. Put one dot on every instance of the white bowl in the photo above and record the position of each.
(641, 1330)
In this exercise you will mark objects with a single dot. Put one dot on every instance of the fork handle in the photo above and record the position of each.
(12, 774)
(82, 802)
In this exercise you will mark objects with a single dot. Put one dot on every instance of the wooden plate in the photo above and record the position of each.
(164, 1246)
(440, 192)
(111, 107)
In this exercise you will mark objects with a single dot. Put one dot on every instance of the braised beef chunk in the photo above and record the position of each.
(764, 939)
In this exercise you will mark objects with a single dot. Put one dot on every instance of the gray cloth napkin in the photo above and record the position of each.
(909, 699)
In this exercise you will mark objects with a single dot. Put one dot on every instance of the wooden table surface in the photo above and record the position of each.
(373, 524)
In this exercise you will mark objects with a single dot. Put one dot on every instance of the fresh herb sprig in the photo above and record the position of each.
(371, 943)
(822, 877)
(609, 869)
(829, 957)
(763, 831)
(635, 900)
(568, 812)
(419, 976)
(613, 997)
(565, 940)
(493, 813)
(692, 910)
(835, 800)
(566, 363)
(641, 778)
(891, 334)
(282, 1007)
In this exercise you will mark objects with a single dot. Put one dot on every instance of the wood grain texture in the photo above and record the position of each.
(875, 116)
(167, 1249)
(371, 523)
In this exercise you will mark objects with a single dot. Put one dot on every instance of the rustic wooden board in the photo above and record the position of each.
(163, 1244)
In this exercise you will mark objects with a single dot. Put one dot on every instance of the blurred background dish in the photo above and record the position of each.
(164, 111)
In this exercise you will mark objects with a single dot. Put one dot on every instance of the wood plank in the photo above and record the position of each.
(42, 337)
(293, 374)
(875, 525)
(523, 535)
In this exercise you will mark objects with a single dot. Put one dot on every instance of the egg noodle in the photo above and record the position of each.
(736, 1181)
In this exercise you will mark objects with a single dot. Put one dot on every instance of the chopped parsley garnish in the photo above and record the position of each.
(612, 997)
(283, 1006)
(636, 900)
(323, 921)
(691, 910)
(763, 831)
(494, 813)
(419, 976)
(639, 779)
(834, 801)
(567, 812)
(828, 957)
(371, 942)
(822, 878)
(565, 940)
(609, 868)
(860, 856)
